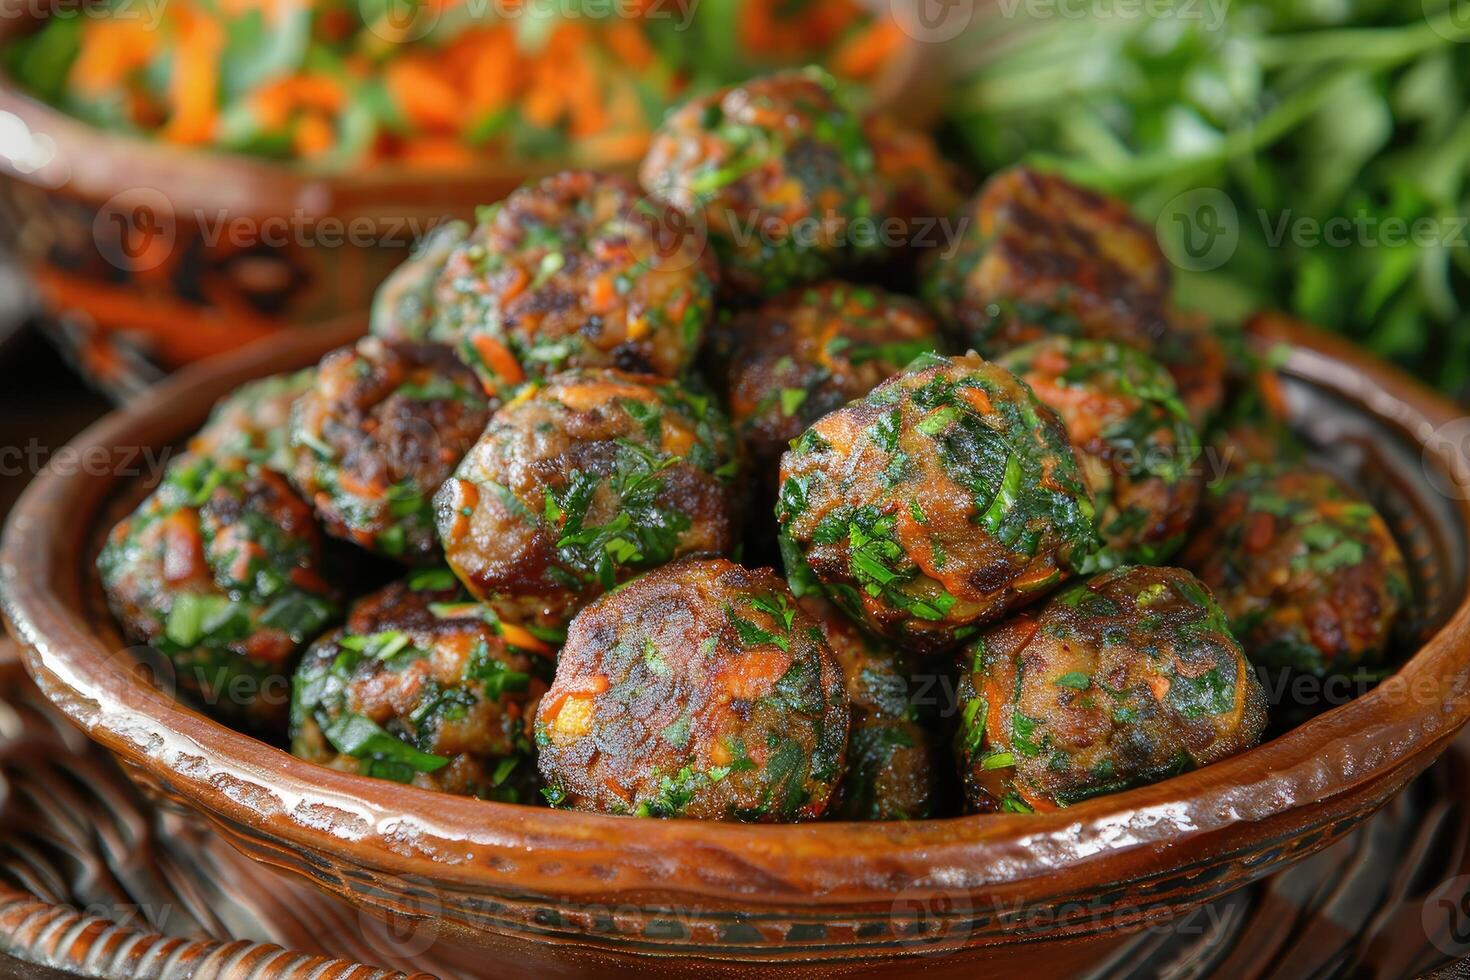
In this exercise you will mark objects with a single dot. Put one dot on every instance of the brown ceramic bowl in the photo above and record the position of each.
(575, 890)
(172, 254)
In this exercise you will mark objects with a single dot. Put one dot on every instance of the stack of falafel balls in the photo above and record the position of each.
(581, 428)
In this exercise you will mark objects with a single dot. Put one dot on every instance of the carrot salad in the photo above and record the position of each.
(428, 83)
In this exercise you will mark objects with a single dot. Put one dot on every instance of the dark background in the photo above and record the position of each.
(41, 399)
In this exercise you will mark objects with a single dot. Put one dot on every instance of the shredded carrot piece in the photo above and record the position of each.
(498, 358)
(576, 687)
(350, 482)
(194, 87)
(754, 674)
(111, 51)
(863, 55)
(314, 135)
(978, 400)
(675, 439)
(424, 96)
(438, 153)
(518, 281)
(602, 294)
(719, 754)
(583, 396)
(630, 46)
(183, 547)
(494, 70)
(519, 636)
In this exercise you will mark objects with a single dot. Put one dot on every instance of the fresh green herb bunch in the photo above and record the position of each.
(219, 569)
(777, 172)
(1133, 439)
(1307, 570)
(424, 686)
(1122, 680)
(577, 269)
(946, 498)
(698, 690)
(1288, 150)
(382, 427)
(581, 483)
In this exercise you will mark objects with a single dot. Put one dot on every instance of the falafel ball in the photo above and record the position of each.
(1193, 353)
(890, 772)
(1133, 439)
(698, 690)
(1308, 572)
(778, 174)
(582, 482)
(1039, 256)
(253, 423)
(811, 350)
(1253, 432)
(219, 569)
(382, 427)
(424, 686)
(1122, 680)
(943, 500)
(403, 306)
(575, 270)
(921, 184)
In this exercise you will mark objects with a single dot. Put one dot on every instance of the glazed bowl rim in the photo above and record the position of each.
(238, 781)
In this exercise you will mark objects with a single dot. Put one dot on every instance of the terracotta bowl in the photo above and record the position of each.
(170, 254)
(573, 890)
